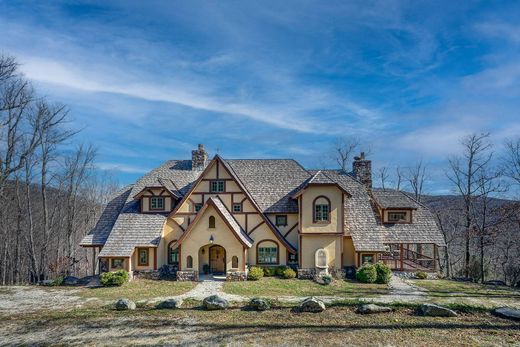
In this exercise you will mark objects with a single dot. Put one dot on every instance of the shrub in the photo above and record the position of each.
(280, 270)
(326, 279)
(383, 273)
(288, 273)
(367, 274)
(58, 281)
(421, 275)
(115, 278)
(255, 273)
(269, 271)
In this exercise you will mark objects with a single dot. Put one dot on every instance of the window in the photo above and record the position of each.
(292, 258)
(234, 262)
(211, 222)
(143, 256)
(189, 262)
(397, 216)
(217, 186)
(198, 207)
(237, 208)
(367, 258)
(267, 252)
(173, 256)
(156, 203)
(281, 220)
(117, 263)
(321, 210)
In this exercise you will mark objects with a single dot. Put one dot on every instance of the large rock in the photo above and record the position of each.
(436, 311)
(259, 304)
(124, 304)
(70, 281)
(507, 312)
(371, 308)
(312, 304)
(46, 283)
(215, 302)
(169, 304)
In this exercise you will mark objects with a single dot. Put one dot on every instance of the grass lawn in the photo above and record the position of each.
(447, 287)
(282, 326)
(139, 290)
(271, 287)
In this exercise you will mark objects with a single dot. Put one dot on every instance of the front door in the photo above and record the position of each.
(217, 259)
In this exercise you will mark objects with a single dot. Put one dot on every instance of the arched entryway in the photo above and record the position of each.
(212, 259)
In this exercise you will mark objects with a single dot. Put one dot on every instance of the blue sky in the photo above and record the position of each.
(147, 81)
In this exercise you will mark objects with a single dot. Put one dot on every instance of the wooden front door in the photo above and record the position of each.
(217, 259)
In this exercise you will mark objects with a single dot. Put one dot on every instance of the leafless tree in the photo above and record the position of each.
(398, 177)
(416, 177)
(383, 175)
(344, 149)
(512, 161)
(465, 173)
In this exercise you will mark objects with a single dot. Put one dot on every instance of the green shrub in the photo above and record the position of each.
(327, 279)
(255, 273)
(367, 274)
(115, 278)
(58, 281)
(421, 275)
(383, 273)
(288, 273)
(280, 270)
(269, 271)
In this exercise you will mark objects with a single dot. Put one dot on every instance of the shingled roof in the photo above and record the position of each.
(390, 198)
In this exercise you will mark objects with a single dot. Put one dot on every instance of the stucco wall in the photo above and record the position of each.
(311, 243)
(349, 253)
(135, 263)
(335, 197)
(292, 219)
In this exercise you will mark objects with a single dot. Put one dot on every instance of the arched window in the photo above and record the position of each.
(234, 262)
(321, 210)
(211, 222)
(173, 254)
(189, 262)
(267, 252)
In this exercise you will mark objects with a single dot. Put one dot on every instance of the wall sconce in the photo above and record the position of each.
(211, 239)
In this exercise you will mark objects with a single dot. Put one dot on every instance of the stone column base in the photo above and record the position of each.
(187, 275)
(236, 276)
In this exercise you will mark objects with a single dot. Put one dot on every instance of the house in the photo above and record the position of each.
(222, 215)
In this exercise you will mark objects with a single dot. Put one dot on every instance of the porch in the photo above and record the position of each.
(411, 256)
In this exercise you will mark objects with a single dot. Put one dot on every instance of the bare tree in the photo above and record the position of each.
(512, 162)
(382, 173)
(344, 149)
(465, 173)
(416, 177)
(398, 177)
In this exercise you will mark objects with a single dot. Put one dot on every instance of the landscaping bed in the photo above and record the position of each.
(273, 287)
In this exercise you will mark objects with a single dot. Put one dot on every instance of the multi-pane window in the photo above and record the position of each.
(173, 257)
(397, 216)
(237, 208)
(267, 255)
(156, 203)
(143, 256)
(281, 220)
(117, 263)
(321, 212)
(198, 207)
(367, 258)
(217, 186)
(292, 258)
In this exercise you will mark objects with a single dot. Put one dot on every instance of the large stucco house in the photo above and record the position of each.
(223, 215)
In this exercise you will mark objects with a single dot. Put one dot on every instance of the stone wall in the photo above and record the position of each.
(146, 274)
(310, 274)
(236, 276)
(187, 275)
(338, 274)
(307, 274)
(409, 274)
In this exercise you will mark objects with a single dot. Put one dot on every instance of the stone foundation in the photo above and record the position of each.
(187, 275)
(307, 274)
(236, 276)
(146, 274)
(411, 274)
(310, 274)
(339, 274)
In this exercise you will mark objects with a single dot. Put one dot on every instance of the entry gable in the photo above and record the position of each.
(214, 203)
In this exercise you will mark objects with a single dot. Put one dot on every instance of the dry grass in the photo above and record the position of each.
(336, 326)
(443, 288)
(139, 290)
(273, 287)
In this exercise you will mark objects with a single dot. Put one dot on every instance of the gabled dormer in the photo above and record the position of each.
(156, 199)
(394, 207)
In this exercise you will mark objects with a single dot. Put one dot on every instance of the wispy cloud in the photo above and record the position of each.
(122, 168)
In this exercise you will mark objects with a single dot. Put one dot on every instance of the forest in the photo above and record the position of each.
(51, 193)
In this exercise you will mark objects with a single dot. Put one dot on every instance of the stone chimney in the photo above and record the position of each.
(199, 158)
(362, 169)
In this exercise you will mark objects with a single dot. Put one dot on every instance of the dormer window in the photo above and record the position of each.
(321, 211)
(157, 203)
(217, 186)
(397, 216)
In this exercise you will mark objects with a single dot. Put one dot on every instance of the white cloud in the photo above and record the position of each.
(122, 168)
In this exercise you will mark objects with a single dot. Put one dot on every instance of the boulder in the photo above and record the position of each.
(46, 283)
(507, 312)
(215, 302)
(313, 305)
(371, 308)
(436, 311)
(169, 304)
(124, 304)
(70, 281)
(496, 283)
(259, 304)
